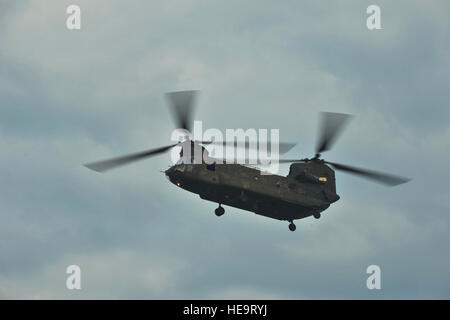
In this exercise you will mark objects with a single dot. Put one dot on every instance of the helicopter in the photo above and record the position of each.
(307, 190)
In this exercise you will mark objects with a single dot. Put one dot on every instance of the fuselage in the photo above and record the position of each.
(274, 196)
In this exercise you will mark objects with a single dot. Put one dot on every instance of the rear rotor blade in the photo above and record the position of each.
(108, 164)
(331, 127)
(182, 104)
(383, 178)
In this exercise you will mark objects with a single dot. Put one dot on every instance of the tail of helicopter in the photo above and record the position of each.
(318, 175)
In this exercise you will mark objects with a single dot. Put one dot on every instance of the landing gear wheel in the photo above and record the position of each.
(292, 226)
(316, 215)
(219, 211)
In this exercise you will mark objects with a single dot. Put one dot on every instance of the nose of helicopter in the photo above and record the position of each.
(173, 175)
(169, 173)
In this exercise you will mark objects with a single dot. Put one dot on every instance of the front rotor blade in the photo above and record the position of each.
(384, 178)
(283, 147)
(246, 161)
(241, 161)
(330, 128)
(182, 105)
(104, 165)
(290, 160)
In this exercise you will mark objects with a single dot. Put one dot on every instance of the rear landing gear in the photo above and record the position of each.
(316, 215)
(219, 211)
(292, 226)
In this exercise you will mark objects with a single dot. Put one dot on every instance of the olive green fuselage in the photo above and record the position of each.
(299, 195)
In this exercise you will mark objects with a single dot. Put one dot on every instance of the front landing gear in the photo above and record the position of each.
(316, 215)
(219, 211)
(292, 226)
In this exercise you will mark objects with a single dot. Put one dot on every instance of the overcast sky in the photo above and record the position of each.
(70, 97)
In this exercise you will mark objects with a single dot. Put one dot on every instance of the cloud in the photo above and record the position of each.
(102, 276)
(243, 293)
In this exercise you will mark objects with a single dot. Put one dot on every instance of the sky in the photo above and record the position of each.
(68, 97)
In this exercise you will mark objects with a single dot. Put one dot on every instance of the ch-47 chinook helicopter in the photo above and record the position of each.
(308, 189)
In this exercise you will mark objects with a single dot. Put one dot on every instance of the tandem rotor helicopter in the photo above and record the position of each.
(308, 189)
